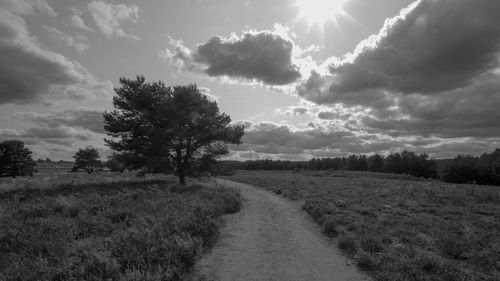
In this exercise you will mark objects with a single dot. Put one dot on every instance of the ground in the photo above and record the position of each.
(272, 239)
(398, 227)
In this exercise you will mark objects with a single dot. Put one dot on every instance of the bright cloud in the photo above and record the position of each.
(432, 70)
(109, 18)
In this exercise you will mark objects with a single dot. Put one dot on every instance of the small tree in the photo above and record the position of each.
(160, 129)
(15, 159)
(86, 159)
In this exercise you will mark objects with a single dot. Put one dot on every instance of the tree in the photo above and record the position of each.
(376, 163)
(161, 129)
(463, 169)
(15, 159)
(86, 159)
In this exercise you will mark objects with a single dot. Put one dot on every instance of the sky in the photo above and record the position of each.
(308, 79)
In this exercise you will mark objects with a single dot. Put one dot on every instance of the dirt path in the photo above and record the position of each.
(272, 239)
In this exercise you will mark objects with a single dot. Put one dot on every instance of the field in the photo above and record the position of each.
(398, 228)
(99, 229)
(49, 180)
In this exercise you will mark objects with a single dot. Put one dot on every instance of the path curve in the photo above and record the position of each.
(272, 239)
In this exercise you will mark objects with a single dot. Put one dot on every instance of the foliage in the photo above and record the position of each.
(115, 163)
(399, 229)
(119, 231)
(465, 169)
(469, 169)
(15, 159)
(405, 163)
(86, 159)
(160, 128)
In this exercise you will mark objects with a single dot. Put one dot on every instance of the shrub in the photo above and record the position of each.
(347, 244)
(329, 227)
(371, 245)
(366, 263)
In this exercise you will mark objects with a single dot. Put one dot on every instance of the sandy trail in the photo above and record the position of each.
(272, 239)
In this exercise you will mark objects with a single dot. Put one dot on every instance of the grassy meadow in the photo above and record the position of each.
(107, 227)
(396, 227)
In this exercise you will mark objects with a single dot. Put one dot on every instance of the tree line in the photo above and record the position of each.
(407, 162)
(463, 169)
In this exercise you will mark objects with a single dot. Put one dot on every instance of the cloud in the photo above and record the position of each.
(66, 38)
(28, 7)
(51, 134)
(110, 17)
(267, 140)
(77, 21)
(62, 128)
(59, 135)
(78, 118)
(26, 69)
(292, 110)
(29, 73)
(431, 46)
(275, 138)
(264, 56)
(433, 70)
(208, 93)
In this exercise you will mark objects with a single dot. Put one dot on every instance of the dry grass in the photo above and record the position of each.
(399, 229)
(108, 231)
(49, 180)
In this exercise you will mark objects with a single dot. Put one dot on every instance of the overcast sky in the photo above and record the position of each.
(308, 78)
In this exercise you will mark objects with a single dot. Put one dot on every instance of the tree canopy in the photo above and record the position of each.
(159, 129)
(86, 159)
(15, 159)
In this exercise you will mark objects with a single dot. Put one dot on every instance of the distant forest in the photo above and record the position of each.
(465, 169)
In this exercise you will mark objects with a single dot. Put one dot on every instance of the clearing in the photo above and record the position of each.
(272, 239)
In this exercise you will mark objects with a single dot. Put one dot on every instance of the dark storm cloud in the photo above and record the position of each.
(264, 56)
(88, 119)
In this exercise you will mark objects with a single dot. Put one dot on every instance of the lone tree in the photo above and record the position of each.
(160, 129)
(86, 159)
(15, 159)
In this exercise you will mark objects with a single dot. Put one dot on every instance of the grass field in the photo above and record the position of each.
(399, 229)
(129, 230)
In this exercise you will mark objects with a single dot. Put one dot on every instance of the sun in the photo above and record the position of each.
(320, 11)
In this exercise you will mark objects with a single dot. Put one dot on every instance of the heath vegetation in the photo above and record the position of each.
(399, 229)
(109, 231)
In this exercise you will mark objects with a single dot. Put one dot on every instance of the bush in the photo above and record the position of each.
(371, 245)
(330, 227)
(366, 263)
(347, 244)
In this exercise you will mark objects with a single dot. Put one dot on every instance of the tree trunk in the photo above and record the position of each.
(182, 176)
